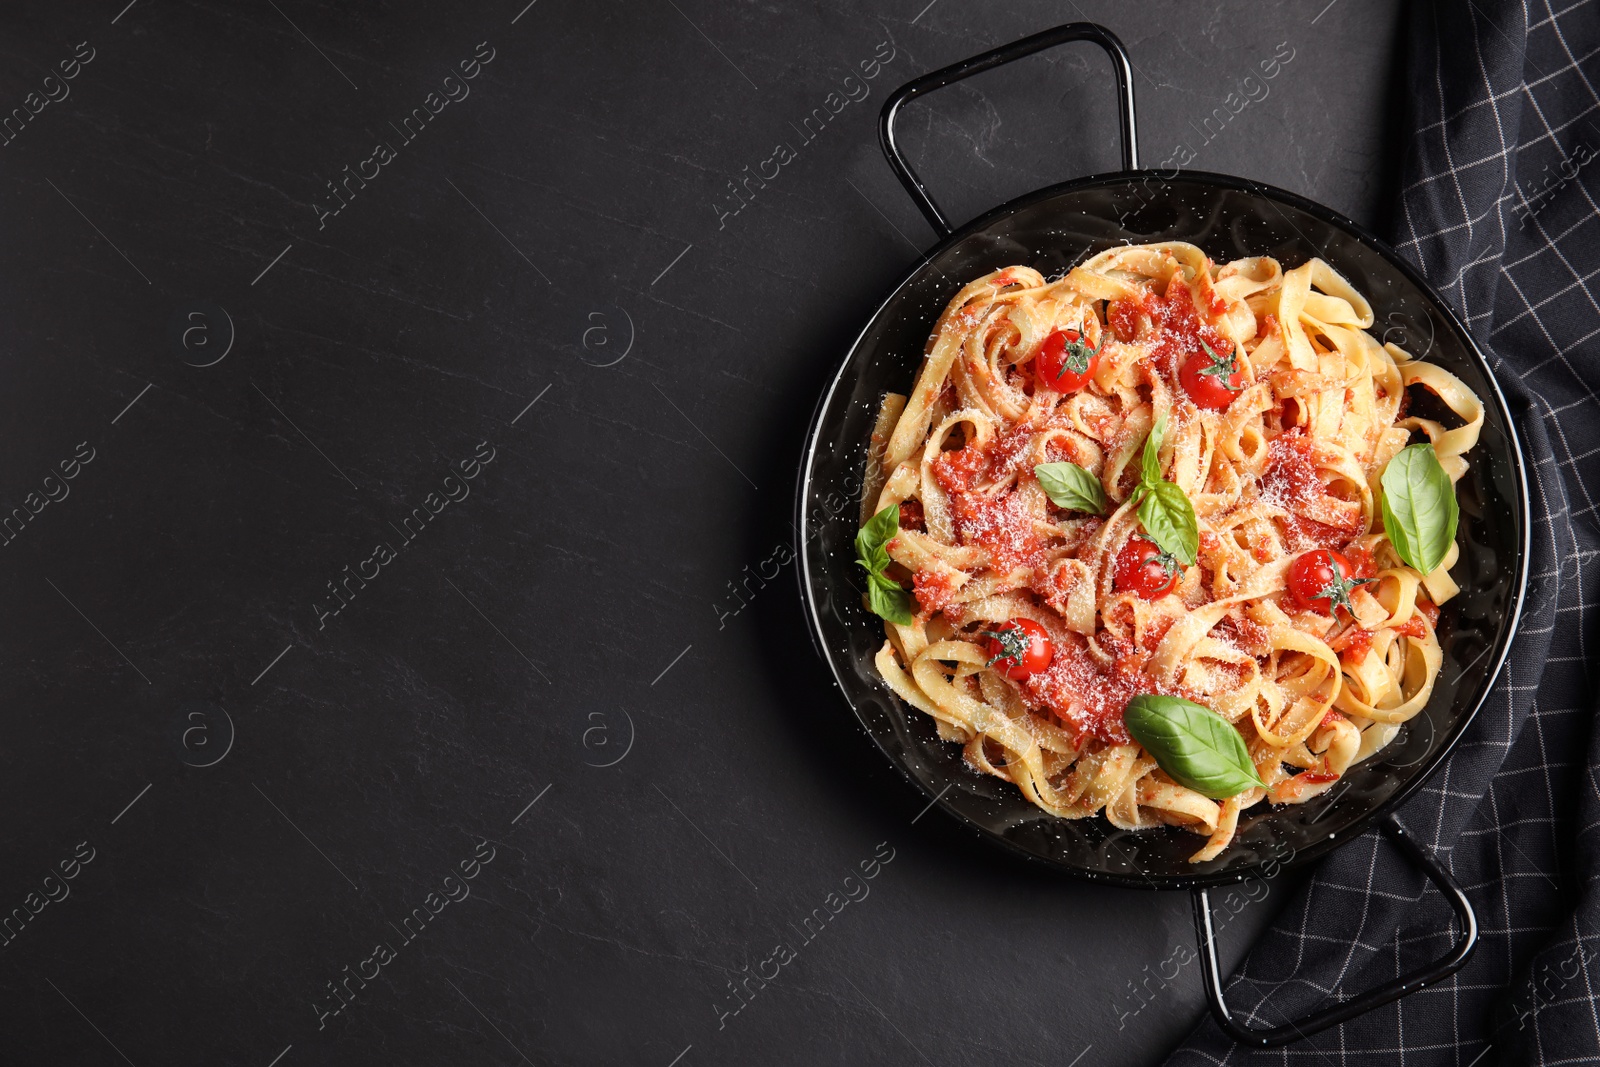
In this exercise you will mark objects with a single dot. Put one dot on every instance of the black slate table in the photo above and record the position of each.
(398, 429)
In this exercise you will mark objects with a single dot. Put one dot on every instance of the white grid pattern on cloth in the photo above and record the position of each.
(1499, 91)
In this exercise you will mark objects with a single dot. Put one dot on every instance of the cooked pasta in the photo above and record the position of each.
(1276, 413)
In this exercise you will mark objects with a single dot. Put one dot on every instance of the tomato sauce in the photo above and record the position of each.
(1362, 566)
(1306, 534)
(1008, 451)
(1089, 698)
(959, 470)
(1290, 481)
(1181, 332)
(1416, 626)
(934, 590)
(1057, 450)
(1352, 645)
(1291, 478)
(1123, 316)
(1054, 587)
(999, 521)
(1217, 305)
(1152, 635)
(1000, 524)
(1245, 634)
(1425, 618)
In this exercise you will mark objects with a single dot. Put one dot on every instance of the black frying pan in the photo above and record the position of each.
(1051, 230)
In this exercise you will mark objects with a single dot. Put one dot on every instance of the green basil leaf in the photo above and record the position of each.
(879, 531)
(885, 596)
(1070, 486)
(1419, 507)
(1168, 518)
(888, 601)
(1197, 747)
(883, 581)
(875, 559)
(1152, 450)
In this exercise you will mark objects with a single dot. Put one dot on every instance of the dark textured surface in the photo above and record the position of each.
(575, 609)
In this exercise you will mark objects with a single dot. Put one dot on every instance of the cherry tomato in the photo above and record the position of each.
(1211, 379)
(1144, 569)
(1320, 581)
(1065, 361)
(1020, 648)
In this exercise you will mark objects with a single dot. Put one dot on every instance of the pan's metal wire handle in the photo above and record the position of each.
(1373, 998)
(1074, 31)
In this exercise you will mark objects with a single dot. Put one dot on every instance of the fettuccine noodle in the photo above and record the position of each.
(1291, 464)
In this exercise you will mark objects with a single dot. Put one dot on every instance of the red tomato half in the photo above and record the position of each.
(1065, 361)
(1144, 569)
(1211, 379)
(1020, 648)
(1320, 580)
